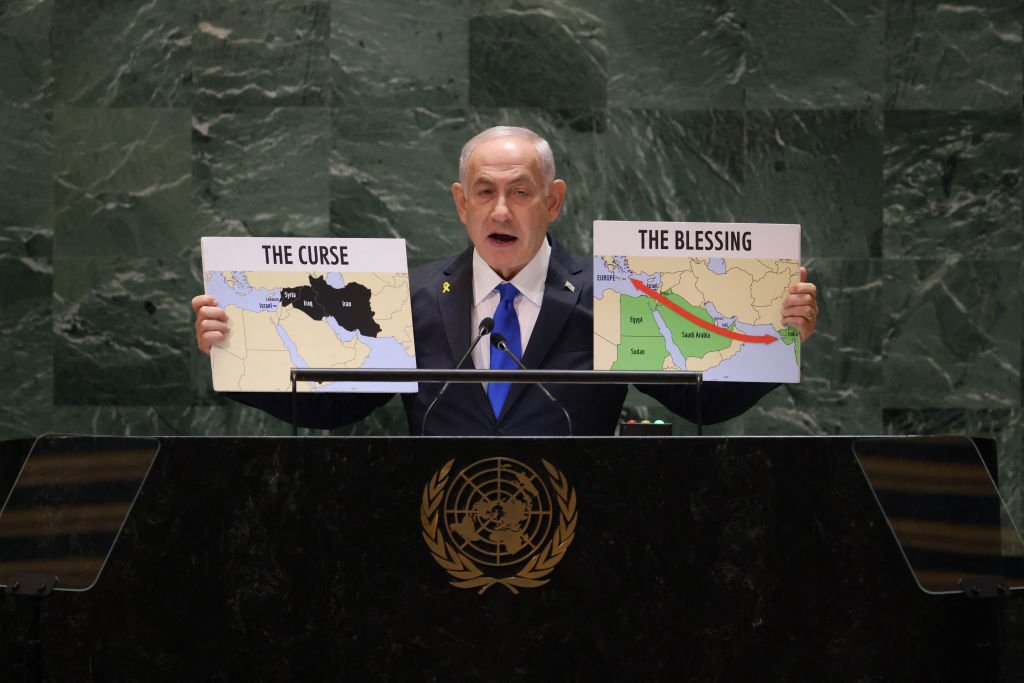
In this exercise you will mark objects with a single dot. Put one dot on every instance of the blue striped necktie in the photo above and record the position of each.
(507, 323)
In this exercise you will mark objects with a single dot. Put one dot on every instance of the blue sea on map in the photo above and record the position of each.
(622, 286)
(297, 360)
(241, 295)
(673, 350)
(755, 360)
(724, 322)
(717, 266)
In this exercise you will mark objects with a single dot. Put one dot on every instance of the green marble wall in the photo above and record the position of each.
(890, 130)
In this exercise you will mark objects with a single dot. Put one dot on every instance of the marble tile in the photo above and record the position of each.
(840, 364)
(122, 330)
(705, 55)
(952, 184)
(272, 53)
(122, 53)
(391, 175)
(122, 182)
(392, 53)
(26, 270)
(819, 169)
(31, 245)
(815, 55)
(953, 55)
(25, 52)
(540, 53)
(126, 420)
(675, 55)
(952, 334)
(228, 418)
(785, 412)
(26, 336)
(26, 173)
(261, 171)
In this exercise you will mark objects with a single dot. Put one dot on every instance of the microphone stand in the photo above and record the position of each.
(486, 325)
(498, 341)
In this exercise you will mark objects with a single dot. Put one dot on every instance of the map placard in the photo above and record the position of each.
(701, 297)
(309, 303)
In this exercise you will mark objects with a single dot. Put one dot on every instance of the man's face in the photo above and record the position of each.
(504, 205)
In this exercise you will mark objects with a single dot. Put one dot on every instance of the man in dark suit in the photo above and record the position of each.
(537, 292)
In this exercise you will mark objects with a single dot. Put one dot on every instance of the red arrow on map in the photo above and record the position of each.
(711, 327)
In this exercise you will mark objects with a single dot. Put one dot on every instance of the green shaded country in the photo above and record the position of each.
(692, 339)
(637, 317)
(791, 336)
(640, 353)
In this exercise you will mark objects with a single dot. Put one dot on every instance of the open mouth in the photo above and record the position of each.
(501, 238)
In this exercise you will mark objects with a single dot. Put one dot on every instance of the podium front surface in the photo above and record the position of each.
(515, 559)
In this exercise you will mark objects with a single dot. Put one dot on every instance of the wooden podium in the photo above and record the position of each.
(662, 559)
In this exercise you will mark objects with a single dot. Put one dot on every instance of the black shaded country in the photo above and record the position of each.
(349, 305)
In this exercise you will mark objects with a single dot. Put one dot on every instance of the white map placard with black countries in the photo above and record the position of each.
(702, 297)
(309, 303)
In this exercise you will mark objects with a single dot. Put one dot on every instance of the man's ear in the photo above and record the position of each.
(555, 198)
(460, 200)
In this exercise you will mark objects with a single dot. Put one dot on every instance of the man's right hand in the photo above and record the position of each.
(211, 322)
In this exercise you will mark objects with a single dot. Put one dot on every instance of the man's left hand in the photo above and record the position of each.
(800, 309)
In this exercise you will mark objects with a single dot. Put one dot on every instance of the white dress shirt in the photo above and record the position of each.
(530, 283)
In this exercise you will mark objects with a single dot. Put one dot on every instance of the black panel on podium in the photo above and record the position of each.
(945, 513)
(62, 518)
(514, 559)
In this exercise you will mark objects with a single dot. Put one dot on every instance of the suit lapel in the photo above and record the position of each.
(456, 304)
(555, 311)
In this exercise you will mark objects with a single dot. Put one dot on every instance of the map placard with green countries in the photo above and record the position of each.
(697, 297)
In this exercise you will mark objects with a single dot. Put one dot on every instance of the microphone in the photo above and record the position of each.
(498, 341)
(486, 325)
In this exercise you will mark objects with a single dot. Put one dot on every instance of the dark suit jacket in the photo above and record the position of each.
(561, 340)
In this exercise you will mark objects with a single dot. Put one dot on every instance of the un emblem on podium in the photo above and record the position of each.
(497, 521)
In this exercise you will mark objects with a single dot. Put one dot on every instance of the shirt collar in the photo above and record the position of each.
(529, 281)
